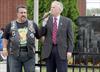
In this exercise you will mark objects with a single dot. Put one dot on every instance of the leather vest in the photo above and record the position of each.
(14, 43)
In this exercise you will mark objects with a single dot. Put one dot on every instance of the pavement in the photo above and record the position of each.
(3, 67)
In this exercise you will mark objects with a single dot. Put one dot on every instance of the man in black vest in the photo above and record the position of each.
(58, 42)
(19, 42)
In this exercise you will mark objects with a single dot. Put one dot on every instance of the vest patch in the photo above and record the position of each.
(22, 36)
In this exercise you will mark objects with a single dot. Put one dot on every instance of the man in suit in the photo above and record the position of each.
(58, 43)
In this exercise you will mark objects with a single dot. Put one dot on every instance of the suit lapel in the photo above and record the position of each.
(51, 23)
(59, 25)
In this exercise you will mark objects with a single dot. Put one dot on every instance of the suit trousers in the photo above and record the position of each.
(54, 62)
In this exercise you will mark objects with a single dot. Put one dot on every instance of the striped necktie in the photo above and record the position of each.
(54, 33)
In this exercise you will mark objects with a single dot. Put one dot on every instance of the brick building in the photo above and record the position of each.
(82, 7)
(8, 11)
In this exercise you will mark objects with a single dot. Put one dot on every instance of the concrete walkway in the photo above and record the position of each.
(3, 66)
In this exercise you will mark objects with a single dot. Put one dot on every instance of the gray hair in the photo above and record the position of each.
(59, 4)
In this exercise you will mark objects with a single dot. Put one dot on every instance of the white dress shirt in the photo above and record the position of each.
(58, 17)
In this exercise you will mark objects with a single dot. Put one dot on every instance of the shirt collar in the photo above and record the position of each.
(58, 17)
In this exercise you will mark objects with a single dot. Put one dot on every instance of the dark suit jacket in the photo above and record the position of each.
(64, 37)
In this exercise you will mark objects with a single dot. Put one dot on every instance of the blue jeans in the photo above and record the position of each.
(1, 49)
(16, 63)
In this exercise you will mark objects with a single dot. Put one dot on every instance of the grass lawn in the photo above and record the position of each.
(77, 70)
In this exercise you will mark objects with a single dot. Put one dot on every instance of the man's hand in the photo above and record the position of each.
(45, 19)
(5, 52)
(69, 55)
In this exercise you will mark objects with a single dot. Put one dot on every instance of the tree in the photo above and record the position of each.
(30, 5)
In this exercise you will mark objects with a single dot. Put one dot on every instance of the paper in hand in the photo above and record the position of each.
(4, 57)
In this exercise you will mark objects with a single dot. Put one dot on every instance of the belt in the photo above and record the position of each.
(23, 49)
(54, 44)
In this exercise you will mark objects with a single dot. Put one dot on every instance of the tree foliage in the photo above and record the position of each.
(30, 6)
(93, 12)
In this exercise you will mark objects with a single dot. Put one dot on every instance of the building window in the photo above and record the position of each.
(93, 7)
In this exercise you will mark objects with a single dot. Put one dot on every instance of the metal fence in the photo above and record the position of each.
(81, 62)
